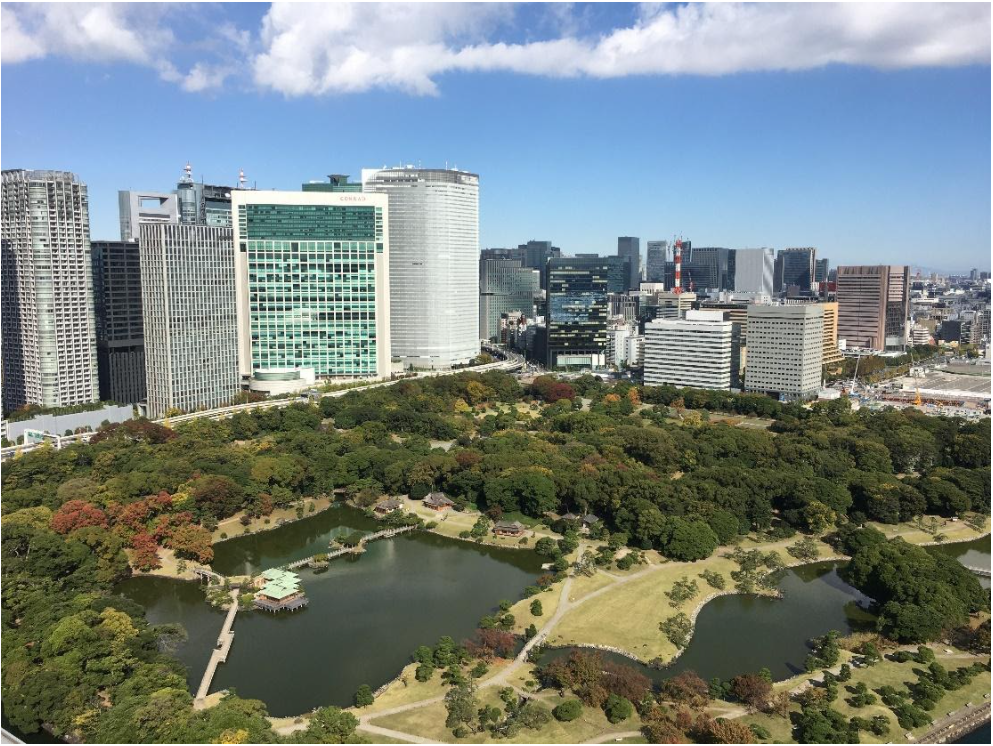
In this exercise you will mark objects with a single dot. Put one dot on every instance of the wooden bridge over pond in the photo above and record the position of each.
(220, 653)
(983, 572)
(387, 533)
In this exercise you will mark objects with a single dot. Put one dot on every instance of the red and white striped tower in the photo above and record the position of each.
(677, 289)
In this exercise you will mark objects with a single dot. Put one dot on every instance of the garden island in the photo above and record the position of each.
(474, 558)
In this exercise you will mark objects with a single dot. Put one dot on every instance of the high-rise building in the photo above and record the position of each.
(795, 268)
(119, 324)
(434, 263)
(785, 350)
(190, 203)
(629, 247)
(657, 254)
(504, 286)
(312, 278)
(48, 333)
(535, 254)
(577, 311)
(711, 268)
(145, 207)
(189, 315)
(203, 204)
(699, 351)
(753, 270)
(821, 270)
(873, 306)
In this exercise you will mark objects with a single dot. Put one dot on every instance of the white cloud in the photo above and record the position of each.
(204, 77)
(17, 46)
(319, 49)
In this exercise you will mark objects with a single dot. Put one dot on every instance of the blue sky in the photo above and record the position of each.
(731, 126)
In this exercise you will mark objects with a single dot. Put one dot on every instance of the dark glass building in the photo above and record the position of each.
(629, 247)
(795, 268)
(120, 331)
(578, 306)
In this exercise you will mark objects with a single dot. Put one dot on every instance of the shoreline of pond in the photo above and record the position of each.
(834, 559)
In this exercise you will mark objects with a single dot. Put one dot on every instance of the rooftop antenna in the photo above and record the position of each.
(241, 178)
(187, 173)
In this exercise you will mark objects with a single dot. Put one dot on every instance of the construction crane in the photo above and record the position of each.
(917, 399)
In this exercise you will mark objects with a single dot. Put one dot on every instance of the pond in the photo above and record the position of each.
(970, 553)
(742, 634)
(366, 616)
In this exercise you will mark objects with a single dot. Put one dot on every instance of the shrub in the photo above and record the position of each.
(618, 708)
(568, 710)
(536, 609)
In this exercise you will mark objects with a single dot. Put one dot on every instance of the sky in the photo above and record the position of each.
(861, 129)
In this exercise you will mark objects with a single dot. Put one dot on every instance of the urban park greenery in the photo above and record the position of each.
(84, 663)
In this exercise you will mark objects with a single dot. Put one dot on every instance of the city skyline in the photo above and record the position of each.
(856, 156)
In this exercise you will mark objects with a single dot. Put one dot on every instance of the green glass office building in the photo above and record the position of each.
(313, 284)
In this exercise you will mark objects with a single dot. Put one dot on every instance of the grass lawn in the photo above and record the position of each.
(452, 522)
(397, 693)
(523, 617)
(953, 531)
(429, 722)
(645, 603)
(232, 526)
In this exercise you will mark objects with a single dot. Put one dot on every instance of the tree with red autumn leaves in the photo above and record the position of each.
(550, 390)
(491, 643)
(191, 541)
(77, 514)
(145, 554)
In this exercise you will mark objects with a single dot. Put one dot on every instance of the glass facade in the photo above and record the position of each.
(577, 310)
(311, 286)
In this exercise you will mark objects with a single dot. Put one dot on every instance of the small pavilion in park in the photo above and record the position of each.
(280, 591)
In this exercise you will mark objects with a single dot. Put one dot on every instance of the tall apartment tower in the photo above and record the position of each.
(795, 268)
(873, 306)
(657, 253)
(753, 271)
(630, 248)
(434, 263)
(700, 351)
(313, 286)
(119, 324)
(577, 311)
(785, 350)
(48, 329)
(832, 355)
(189, 317)
(504, 286)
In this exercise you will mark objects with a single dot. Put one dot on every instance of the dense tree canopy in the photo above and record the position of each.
(73, 518)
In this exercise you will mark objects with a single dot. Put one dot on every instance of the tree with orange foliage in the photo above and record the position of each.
(77, 514)
(192, 541)
(145, 554)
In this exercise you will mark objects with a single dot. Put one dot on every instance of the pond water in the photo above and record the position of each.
(366, 614)
(971, 553)
(741, 634)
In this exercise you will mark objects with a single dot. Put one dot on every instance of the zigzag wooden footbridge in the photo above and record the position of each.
(357, 549)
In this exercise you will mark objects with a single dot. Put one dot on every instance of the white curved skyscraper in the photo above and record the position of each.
(434, 263)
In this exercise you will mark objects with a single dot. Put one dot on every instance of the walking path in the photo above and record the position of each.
(608, 737)
(219, 654)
